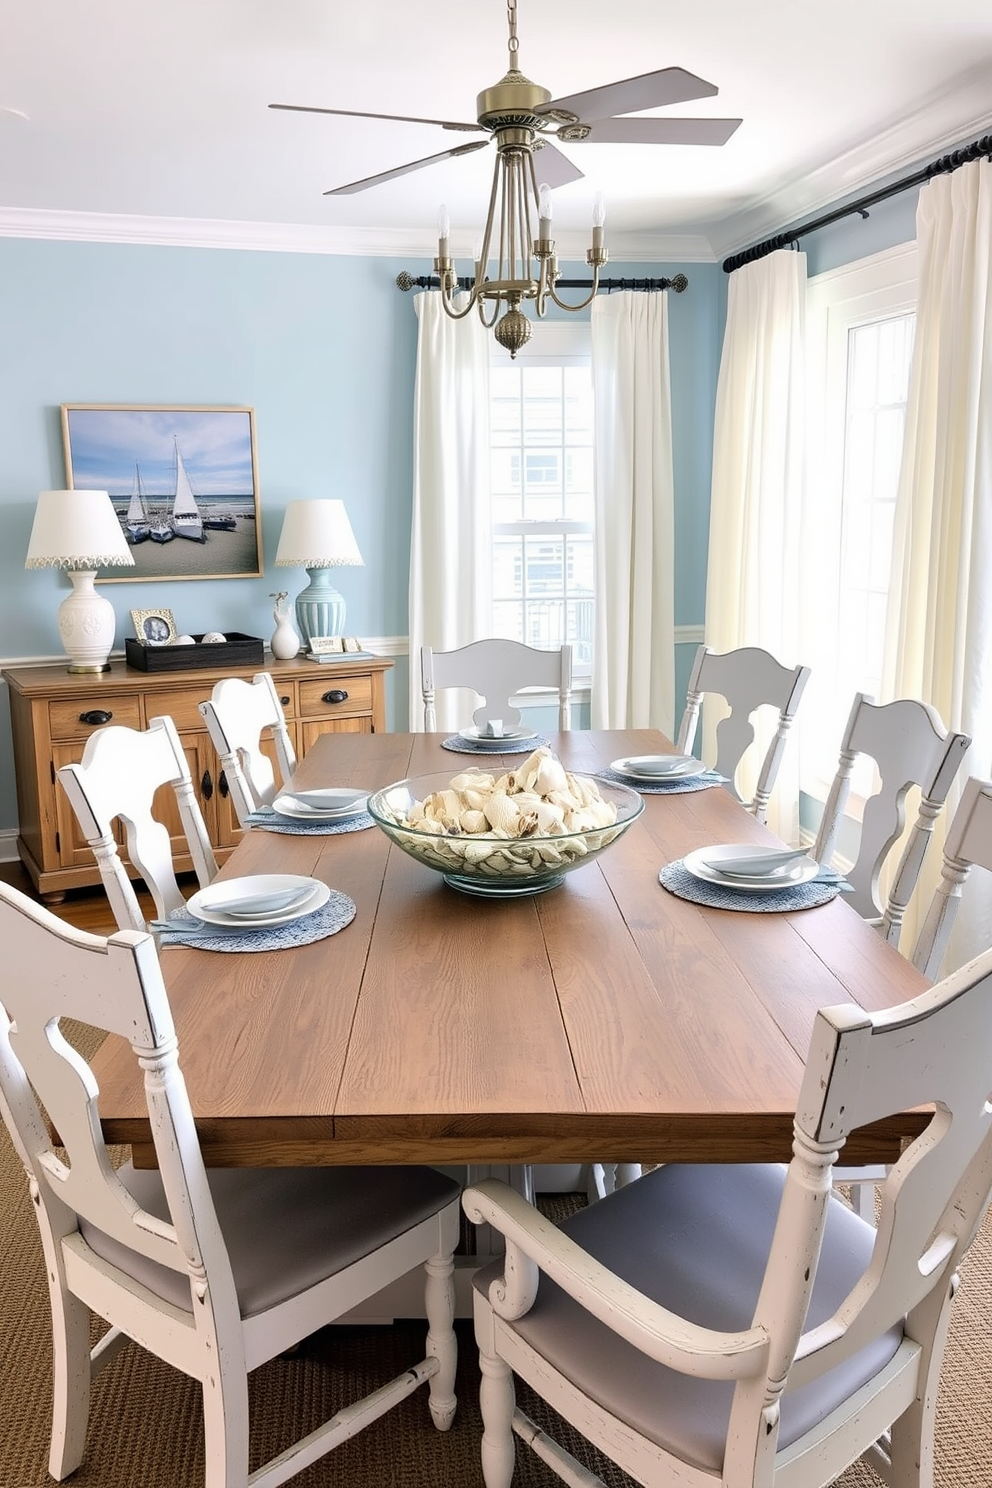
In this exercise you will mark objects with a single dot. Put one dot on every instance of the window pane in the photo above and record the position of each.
(507, 568)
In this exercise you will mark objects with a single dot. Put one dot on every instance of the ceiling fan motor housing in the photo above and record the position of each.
(513, 103)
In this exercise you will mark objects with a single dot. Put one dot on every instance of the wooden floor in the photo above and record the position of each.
(87, 909)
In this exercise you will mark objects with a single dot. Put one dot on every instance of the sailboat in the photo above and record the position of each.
(137, 528)
(186, 519)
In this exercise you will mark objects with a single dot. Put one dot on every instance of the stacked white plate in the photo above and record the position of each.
(479, 739)
(753, 870)
(658, 767)
(259, 900)
(332, 804)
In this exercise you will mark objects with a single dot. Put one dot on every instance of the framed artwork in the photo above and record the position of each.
(183, 481)
(154, 627)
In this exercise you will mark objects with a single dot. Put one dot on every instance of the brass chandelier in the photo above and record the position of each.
(510, 112)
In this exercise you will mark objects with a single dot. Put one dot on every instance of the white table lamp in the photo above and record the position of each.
(317, 536)
(80, 532)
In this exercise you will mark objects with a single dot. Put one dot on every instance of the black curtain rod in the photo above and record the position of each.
(791, 236)
(406, 281)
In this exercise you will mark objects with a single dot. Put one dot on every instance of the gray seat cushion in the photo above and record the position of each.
(285, 1228)
(696, 1240)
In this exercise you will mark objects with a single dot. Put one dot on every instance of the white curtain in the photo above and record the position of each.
(939, 632)
(752, 589)
(450, 540)
(634, 677)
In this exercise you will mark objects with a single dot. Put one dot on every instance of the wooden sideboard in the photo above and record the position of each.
(53, 713)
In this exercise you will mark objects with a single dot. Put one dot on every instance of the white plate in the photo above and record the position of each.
(472, 735)
(658, 766)
(318, 895)
(295, 804)
(702, 864)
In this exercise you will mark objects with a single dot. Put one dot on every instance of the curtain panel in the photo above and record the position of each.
(450, 539)
(633, 683)
(939, 625)
(752, 583)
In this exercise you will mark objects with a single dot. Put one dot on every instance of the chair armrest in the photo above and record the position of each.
(662, 1335)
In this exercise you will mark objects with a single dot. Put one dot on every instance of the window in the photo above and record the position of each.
(860, 336)
(541, 440)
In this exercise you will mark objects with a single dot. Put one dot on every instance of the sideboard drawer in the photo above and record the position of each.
(321, 697)
(77, 718)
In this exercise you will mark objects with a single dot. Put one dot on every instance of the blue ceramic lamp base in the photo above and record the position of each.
(320, 608)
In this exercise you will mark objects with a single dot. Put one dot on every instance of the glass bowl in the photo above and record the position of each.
(492, 866)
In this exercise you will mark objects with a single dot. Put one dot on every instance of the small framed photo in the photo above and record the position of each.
(154, 627)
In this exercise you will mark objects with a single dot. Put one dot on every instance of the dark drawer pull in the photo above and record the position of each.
(223, 786)
(206, 785)
(96, 716)
(284, 701)
(336, 695)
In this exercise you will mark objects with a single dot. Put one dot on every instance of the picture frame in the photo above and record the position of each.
(154, 627)
(183, 480)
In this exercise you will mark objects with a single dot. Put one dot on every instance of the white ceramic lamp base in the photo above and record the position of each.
(320, 608)
(87, 624)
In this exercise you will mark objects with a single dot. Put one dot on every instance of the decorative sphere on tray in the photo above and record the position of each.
(505, 833)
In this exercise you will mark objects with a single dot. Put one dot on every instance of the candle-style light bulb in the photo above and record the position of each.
(443, 228)
(598, 219)
(545, 209)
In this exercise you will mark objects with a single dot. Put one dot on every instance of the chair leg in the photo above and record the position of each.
(442, 1345)
(225, 1429)
(497, 1402)
(70, 1382)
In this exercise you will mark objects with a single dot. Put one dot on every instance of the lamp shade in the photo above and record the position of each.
(77, 530)
(317, 534)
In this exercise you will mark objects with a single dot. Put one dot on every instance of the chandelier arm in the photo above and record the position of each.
(497, 306)
(449, 308)
(583, 303)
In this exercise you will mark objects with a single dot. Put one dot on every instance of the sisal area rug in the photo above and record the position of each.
(146, 1427)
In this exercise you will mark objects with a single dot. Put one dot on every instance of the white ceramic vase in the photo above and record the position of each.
(285, 642)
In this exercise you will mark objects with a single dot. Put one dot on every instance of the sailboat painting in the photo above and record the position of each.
(172, 472)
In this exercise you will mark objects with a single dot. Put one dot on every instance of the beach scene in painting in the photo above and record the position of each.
(182, 481)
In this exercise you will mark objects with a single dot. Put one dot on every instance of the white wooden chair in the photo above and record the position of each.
(747, 678)
(238, 715)
(214, 1271)
(495, 670)
(118, 776)
(968, 844)
(738, 1325)
(910, 746)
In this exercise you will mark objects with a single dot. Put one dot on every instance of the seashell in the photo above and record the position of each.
(185, 640)
(212, 637)
(549, 818)
(502, 813)
(550, 776)
(474, 822)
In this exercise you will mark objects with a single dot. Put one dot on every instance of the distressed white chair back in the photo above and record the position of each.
(496, 670)
(807, 1389)
(120, 771)
(238, 716)
(203, 1277)
(968, 844)
(747, 678)
(910, 746)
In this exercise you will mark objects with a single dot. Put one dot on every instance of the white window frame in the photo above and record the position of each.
(553, 343)
(880, 287)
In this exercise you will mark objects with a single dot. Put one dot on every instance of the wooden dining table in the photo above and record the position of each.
(605, 1020)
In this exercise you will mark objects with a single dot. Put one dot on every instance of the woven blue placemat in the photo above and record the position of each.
(678, 880)
(327, 920)
(272, 821)
(458, 745)
(674, 787)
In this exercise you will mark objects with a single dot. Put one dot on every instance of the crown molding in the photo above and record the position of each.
(934, 129)
(298, 237)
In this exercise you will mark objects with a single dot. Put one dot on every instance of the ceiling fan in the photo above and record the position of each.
(520, 113)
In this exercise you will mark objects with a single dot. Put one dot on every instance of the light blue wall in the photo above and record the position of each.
(323, 348)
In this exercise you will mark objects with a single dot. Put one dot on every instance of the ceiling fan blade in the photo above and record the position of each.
(649, 90)
(552, 166)
(404, 170)
(305, 108)
(660, 132)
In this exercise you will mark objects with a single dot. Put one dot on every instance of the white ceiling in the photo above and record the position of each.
(159, 111)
